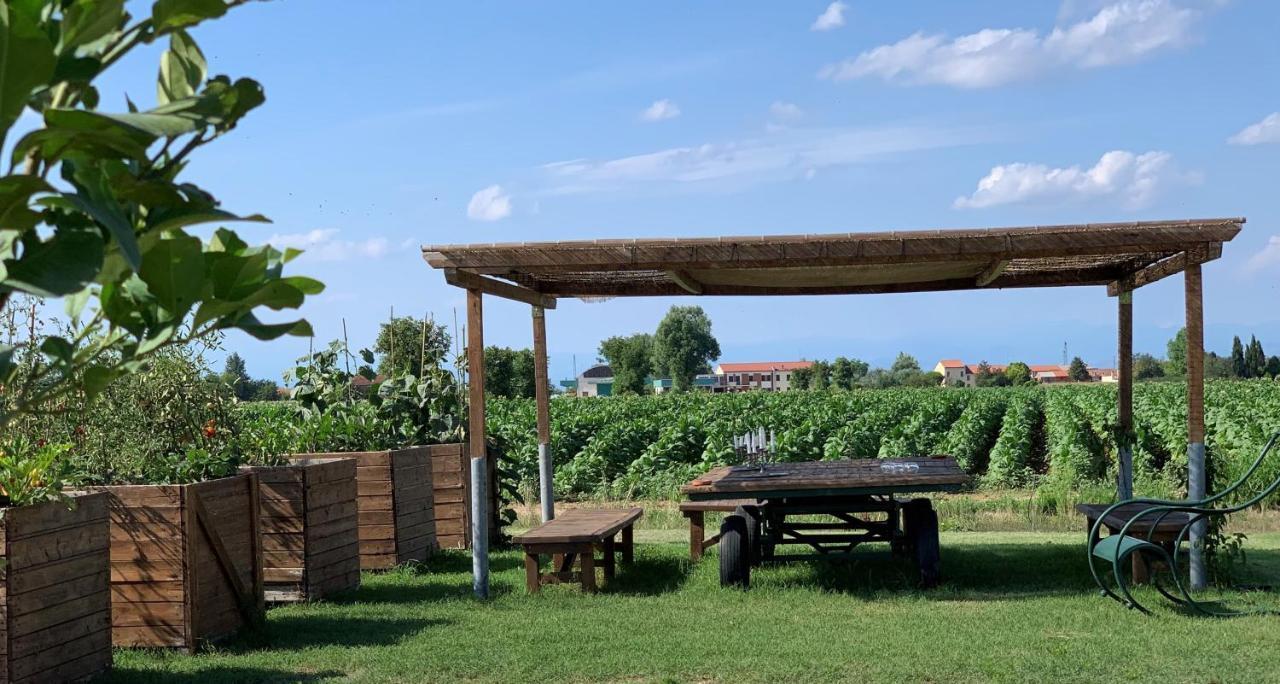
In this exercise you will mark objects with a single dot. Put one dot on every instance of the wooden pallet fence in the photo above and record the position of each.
(310, 542)
(186, 561)
(396, 504)
(55, 599)
(450, 475)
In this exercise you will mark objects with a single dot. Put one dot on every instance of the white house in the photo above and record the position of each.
(770, 376)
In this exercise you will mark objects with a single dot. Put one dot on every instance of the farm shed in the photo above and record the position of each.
(1121, 257)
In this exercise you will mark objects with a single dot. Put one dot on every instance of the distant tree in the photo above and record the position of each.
(1176, 354)
(1255, 359)
(235, 371)
(1218, 366)
(1273, 367)
(404, 342)
(631, 359)
(236, 375)
(879, 378)
(1018, 373)
(844, 373)
(509, 372)
(1146, 366)
(905, 362)
(1239, 368)
(1078, 371)
(684, 345)
(801, 378)
(989, 378)
(821, 376)
(918, 379)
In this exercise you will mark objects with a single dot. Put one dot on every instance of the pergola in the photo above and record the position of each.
(1119, 256)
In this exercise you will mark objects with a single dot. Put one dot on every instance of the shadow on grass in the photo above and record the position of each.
(298, 632)
(220, 674)
(649, 576)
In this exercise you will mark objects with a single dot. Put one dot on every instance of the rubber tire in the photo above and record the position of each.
(752, 516)
(928, 551)
(912, 511)
(735, 565)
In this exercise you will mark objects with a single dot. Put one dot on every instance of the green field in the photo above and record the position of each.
(1050, 438)
(1017, 606)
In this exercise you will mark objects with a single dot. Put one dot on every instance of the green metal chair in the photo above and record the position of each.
(1118, 549)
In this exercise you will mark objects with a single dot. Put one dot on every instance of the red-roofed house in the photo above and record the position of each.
(954, 371)
(764, 375)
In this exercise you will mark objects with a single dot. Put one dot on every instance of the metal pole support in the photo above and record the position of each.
(545, 477)
(1196, 488)
(479, 529)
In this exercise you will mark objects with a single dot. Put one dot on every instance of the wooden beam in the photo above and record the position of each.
(1197, 477)
(1163, 269)
(542, 402)
(1124, 400)
(480, 510)
(497, 288)
(687, 282)
(990, 273)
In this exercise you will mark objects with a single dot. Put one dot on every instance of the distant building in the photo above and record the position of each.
(596, 381)
(770, 376)
(955, 371)
(707, 382)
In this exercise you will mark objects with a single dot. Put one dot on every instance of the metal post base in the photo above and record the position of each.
(479, 529)
(545, 493)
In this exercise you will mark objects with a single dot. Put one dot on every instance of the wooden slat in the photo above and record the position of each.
(814, 475)
(581, 525)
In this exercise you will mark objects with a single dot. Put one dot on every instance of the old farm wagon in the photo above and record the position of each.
(1120, 257)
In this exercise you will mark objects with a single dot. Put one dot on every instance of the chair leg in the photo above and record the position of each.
(697, 532)
(532, 575)
(588, 570)
(628, 545)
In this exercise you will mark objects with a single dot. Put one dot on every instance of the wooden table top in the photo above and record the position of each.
(581, 525)
(824, 478)
(1172, 523)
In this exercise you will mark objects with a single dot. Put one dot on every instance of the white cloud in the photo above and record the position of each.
(785, 111)
(323, 244)
(1119, 33)
(1265, 131)
(1134, 179)
(790, 153)
(1266, 257)
(660, 110)
(831, 18)
(489, 204)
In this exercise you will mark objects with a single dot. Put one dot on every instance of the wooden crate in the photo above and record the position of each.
(396, 503)
(55, 599)
(310, 542)
(186, 561)
(450, 479)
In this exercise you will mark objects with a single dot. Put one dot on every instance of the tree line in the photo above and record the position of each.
(682, 347)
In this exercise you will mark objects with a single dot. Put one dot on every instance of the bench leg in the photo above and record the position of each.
(532, 574)
(628, 545)
(588, 570)
(697, 531)
(610, 562)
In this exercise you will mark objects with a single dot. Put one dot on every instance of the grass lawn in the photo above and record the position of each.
(1016, 606)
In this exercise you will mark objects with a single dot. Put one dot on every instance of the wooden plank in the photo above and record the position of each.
(1194, 288)
(827, 475)
(991, 272)
(581, 525)
(1168, 267)
(97, 623)
(476, 283)
(244, 593)
(686, 282)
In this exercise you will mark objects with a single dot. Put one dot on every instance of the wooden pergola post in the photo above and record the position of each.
(1124, 401)
(479, 456)
(1196, 484)
(543, 400)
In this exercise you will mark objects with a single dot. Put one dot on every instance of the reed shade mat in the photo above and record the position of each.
(1123, 255)
(857, 477)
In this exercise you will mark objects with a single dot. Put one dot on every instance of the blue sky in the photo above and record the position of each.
(401, 123)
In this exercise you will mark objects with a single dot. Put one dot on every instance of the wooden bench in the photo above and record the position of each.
(1165, 534)
(696, 512)
(577, 534)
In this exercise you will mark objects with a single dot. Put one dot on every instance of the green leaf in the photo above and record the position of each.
(27, 60)
(270, 331)
(175, 14)
(15, 198)
(58, 349)
(96, 200)
(95, 379)
(78, 130)
(85, 21)
(75, 304)
(182, 69)
(65, 263)
(172, 220)
(173, 270)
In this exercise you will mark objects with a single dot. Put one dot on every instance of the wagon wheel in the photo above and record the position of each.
(751, 515)
(735, 565)
(928, 552)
